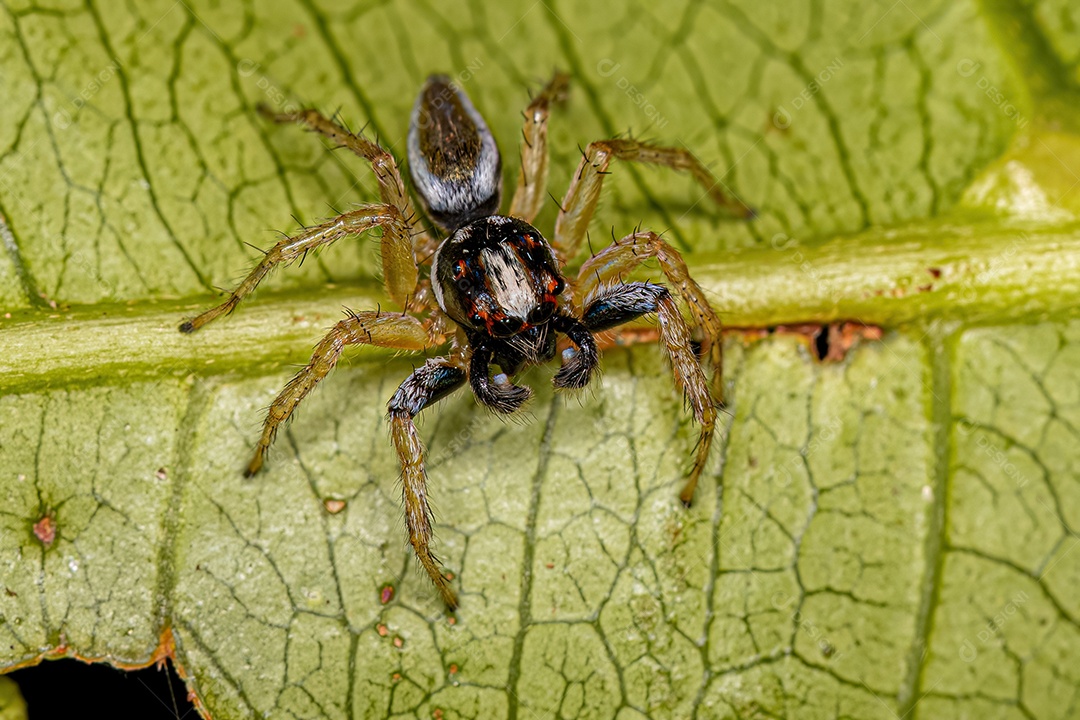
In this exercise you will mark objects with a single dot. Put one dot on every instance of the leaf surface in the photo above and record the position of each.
(887, 535)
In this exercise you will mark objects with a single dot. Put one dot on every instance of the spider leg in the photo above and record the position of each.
(531, 189)
(387, 174)
(612, 305)
(434, 380)
(401, 332)
(399, 268)
(623, 256)
(498, 394)
(578, 206)
(391, 188)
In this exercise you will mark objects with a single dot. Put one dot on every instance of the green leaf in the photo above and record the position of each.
(891, 534)
(12, 706)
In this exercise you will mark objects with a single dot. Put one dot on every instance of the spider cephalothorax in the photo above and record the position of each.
(501, 294)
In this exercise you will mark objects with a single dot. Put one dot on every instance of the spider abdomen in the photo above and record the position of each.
(498, 276)
(453, 157)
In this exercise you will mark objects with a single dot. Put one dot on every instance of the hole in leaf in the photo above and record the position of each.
(821, 343)
(67, 688)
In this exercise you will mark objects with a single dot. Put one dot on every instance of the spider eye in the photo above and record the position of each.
(505, 327)
(542, 313)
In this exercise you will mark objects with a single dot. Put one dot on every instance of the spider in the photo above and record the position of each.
(499, 289)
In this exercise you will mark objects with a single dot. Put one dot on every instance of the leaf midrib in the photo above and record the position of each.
(977, 274)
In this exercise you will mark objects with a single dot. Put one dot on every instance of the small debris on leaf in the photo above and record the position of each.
(45, 529)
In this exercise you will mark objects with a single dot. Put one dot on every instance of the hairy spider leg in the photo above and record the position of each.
(531, 189)
(581, 198)
(387, 174)
(623, 256)
(436, 379)
(399, 270)
(611, 305)
(391, 330)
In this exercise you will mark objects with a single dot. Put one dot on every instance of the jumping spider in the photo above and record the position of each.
(499, 293)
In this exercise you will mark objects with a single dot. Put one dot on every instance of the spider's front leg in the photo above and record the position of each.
(391, 330)
(399, 267)
(623, 256)
(612, 305)
(437, 378)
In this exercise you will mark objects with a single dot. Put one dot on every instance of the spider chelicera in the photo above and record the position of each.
(500, 296)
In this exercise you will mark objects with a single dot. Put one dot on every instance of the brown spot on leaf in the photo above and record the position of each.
(386, 594)
(624, 337)
(936, 272)
(161, 473)
(844, 336)
(166, 649)
(827, 343)
(381, 629)
(45, 529)
(398, 642)
(334, 505)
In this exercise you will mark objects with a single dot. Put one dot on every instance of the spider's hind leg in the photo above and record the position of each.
(531, 189)
(613, 305)
(579, 204)
(398, 264)
(391, 188)
(437, 378)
